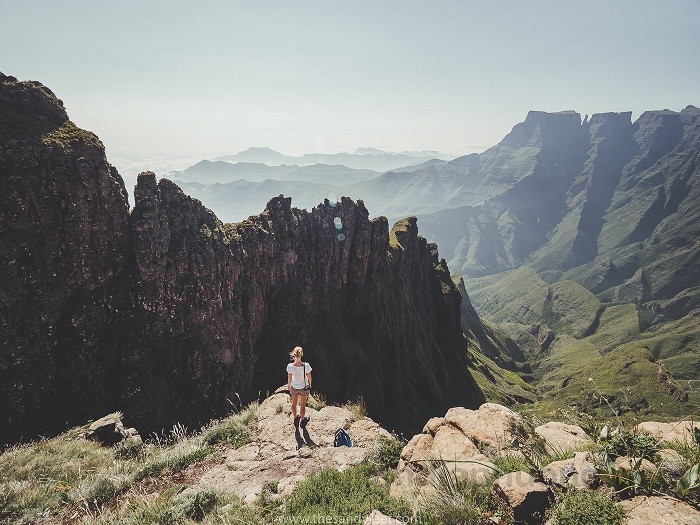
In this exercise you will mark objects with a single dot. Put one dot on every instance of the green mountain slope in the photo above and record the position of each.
(581, 349)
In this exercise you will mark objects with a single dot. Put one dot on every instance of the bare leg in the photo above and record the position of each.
(295, 399)
(303, 406)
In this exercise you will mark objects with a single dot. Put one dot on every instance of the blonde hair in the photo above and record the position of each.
(297, 352)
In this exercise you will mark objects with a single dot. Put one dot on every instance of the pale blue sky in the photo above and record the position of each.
(163, 80)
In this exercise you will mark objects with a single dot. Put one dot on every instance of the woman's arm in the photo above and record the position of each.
(289, 382)
(308, 379)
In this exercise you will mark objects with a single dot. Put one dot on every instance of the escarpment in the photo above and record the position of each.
(170, 315)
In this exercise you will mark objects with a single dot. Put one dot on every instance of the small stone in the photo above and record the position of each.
(377, 518)
(578, 472)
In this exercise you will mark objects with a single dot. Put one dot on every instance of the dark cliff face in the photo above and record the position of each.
(63, 238)
(376, 320)
(167, 314)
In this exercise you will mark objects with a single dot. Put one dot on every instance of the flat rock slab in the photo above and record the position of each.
(273, 458)
(648, 510)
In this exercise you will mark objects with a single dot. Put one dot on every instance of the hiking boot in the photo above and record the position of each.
(296, 421)
(303, 422)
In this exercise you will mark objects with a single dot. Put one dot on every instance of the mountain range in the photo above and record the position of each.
(568, 277)
(585, 225)
(362, 158)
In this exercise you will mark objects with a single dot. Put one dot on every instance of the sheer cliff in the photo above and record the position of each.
(170, 315)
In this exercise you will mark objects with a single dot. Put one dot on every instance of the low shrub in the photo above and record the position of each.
(386, 454)
(506, 463)
(357, 407)
(341, 494)
(625, 442)
(583, 507)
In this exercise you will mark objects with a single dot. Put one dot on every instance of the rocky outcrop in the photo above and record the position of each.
(607, 202)
(168, 314)
(272, 459)
(64, 248)
(459, 439)
(110, 430)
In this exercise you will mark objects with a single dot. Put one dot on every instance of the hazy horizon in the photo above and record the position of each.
(166, 83)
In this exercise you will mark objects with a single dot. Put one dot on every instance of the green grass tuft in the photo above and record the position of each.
(582, 507)
(233, 430)
(342, 494)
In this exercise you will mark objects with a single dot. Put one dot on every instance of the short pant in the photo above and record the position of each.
(300, 391)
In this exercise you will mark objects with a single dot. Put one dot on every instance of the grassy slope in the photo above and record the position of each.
(603, 342)
(69, 476)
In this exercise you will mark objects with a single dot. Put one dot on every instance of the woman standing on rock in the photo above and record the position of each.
(299, 384)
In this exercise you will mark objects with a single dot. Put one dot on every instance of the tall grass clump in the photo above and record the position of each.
(358, 408)
(44, 475)
(451, 498)
(233, 430)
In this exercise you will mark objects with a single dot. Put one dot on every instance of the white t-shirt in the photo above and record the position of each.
(298, 374)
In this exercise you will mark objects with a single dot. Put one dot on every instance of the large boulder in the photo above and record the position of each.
(560, 437)
(648, 510)
(578, 472)
(678, 431)
(446, 443)
(523, 497)
(109, 430)
(492, 426)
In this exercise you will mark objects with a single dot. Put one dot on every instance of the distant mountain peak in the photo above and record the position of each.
(369, 150)
(260, 149)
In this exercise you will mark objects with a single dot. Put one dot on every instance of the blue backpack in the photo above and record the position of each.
(342, 438)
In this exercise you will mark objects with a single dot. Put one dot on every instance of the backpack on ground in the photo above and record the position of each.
(342, 438)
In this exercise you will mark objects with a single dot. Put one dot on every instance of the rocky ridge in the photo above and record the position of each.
(272, 458)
